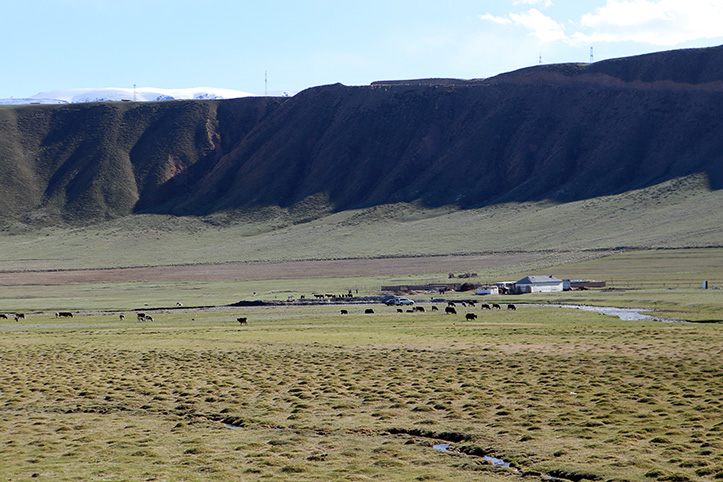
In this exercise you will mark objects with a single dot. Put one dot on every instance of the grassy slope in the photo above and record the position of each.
(678, 213)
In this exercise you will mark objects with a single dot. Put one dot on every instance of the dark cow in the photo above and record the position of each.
(242, 321)
(511, 307)
(496, 306)
(399, 310)
(450, 303)
(122, 317)
(344, 312)
(20, 315)
(64, 314)
(368, 311)
(419, 308)
(141, 316)
(149, 318)
(470, 316)
(4, 317)
(450, 310)
(434, 308)
(485, 306)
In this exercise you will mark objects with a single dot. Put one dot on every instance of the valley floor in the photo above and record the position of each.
(305, 393)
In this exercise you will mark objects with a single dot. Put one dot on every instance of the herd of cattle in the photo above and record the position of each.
(450, 309)
(68, 314)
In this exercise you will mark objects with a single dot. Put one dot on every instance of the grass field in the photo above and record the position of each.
(305, 393)
(315, 395)
(667, 280)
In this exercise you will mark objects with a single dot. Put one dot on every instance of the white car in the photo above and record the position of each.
(403, 301)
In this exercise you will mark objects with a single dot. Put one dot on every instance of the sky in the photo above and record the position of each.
(290, 45)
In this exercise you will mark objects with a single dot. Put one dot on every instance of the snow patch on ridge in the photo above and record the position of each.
(142, 94)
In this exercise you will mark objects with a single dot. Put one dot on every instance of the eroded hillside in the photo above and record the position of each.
(563, 133)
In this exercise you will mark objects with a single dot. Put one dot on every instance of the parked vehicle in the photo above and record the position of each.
(400, 302)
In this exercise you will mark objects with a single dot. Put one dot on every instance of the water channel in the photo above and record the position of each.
(625, 314)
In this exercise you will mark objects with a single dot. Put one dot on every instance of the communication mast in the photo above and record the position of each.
(591, 55)
(134, 92)
(540, 61)
(266, 82)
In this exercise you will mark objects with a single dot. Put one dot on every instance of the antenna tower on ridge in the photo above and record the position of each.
(591, 55)
(540, 61)
(134, 92)
(266, 82)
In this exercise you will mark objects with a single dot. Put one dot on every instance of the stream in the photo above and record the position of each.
(494, 460)
(625, 314)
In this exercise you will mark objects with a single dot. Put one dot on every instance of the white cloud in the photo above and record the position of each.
(543, 3)
(662, 22)
(540, 25)
(492, 18)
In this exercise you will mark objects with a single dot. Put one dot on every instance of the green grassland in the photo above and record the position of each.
(321, 396)
(316, 395)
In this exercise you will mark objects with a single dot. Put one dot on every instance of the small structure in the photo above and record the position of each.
(537, 284)
(581, 284)
(432, 287)
(488, 290)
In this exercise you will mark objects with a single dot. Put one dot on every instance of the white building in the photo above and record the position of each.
(538, 284)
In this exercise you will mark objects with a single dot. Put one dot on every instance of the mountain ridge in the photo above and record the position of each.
(564, 133)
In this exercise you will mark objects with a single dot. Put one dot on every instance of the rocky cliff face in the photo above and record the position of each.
(562, 132)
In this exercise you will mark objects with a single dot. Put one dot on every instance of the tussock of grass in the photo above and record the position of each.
(565, 393)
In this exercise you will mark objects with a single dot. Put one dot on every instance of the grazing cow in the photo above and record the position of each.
(17, 318)
(450, 310)
(411, 311)
(471, 303)
(495, 305)
(141, 316)
(179, 303)
(419, 308)
(511, 307)
(450, 303)
(464, 304)
(470, 316)
(434, 308)
(122, 317)
(242, 321)
(344, 312)
(20, 315)
(399, 310)
(3, 316)
(485, 306)
(368, 311)
(64, 314)
(149, 318)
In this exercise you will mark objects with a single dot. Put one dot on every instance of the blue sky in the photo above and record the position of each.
(63, 44)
